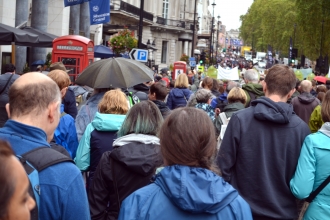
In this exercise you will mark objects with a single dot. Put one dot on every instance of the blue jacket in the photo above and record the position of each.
(178, 97)
(86, 113)
(182, 192)
(63, 192)
(97, 139)
(312, 170)
(259, 154)
(66, 135)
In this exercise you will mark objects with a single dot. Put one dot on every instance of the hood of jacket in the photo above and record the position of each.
(267, 110)
(141, 87)
(254, 88)
(181, 93)
(195, 189)
(306, 98)
(233, 107)
(216, 93)
(108, 122)
(138, 153)
(161, 105)
(325, 129)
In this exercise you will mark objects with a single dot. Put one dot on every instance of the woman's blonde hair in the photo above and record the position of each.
(181, 81)
(237, 94)
(114, 102)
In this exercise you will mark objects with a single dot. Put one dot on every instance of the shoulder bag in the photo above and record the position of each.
(4, 88)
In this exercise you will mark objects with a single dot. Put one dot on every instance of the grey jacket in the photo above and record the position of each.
(4, 99)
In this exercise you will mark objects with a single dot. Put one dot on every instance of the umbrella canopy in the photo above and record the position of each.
(115, 72)
(101, 51)
(10, 34)
(38, 62)
(321, 79)
(45, 39)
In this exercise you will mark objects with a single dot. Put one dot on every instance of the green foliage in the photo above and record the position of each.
(48, 59)
(26, 68)
(123, 42)
(273, 22)
(184, 57)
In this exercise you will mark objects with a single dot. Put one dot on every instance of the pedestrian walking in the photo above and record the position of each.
(16, 202)
(313, 168)
(261, 146)
(131, 163)
(101, 132)
(179, 96)
(189, 186)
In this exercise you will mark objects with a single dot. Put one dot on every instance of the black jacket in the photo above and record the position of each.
(132, 165)
(69, 102)
(162, 106)
(259, 155)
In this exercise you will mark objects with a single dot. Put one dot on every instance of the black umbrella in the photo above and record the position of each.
(45, 39)
(115, 72)
(9, 34)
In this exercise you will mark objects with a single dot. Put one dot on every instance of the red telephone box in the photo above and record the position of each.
(179, 67)
(75, 52)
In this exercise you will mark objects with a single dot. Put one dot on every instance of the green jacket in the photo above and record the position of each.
(229, 110)
(255, 89)
(315, 121)
(312, 170)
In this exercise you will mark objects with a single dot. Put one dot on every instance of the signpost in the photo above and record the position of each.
(139, 55)
(192, 61)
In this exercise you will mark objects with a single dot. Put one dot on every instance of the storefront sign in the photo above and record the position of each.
(76, 48)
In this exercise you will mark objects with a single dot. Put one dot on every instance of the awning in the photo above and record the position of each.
(9, 35)
(45, 39)
(101, 51)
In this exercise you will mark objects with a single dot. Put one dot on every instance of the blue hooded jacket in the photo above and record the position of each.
(63, 193)
(182, 192)
(178, 97)
(66, 134)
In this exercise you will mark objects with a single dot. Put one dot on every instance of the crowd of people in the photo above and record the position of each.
(193, 147)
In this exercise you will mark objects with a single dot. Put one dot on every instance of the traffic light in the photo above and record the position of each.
(201, 62)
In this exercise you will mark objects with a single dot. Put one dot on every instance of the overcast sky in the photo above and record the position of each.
(230, 11)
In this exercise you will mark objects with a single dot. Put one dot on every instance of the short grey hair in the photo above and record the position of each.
(251, 76)
(203, 95)
(231, 85)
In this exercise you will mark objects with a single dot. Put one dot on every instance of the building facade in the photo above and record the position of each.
(167, 24)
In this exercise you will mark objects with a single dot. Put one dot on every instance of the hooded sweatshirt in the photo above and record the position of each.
(304, 105)
(252, 91)
(162, 108)
(182, 192)
(178, 97)
(259, 154)
(129, 166)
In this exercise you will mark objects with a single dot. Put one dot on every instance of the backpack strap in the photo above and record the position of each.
(42, 157)
(35, 161)
(4, 88)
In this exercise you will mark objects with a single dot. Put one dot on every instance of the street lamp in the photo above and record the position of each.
(211, 37)
(216, 56)
(151, 48)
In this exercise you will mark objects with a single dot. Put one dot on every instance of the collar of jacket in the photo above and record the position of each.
(141, 138)
(325, 129)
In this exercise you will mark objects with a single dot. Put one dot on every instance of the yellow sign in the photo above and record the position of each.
(201, 69)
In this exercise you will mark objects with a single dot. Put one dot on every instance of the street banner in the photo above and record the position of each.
(305, 72)
(270, 57)
(74, 2)
(290, 50)
(99, 11)
(231, 74)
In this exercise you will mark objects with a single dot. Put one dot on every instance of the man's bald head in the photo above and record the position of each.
(31, 94)
(305, 86)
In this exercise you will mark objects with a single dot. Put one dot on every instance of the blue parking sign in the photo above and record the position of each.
(139, 55)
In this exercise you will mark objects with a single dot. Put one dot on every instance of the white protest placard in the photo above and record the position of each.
(231, 74)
